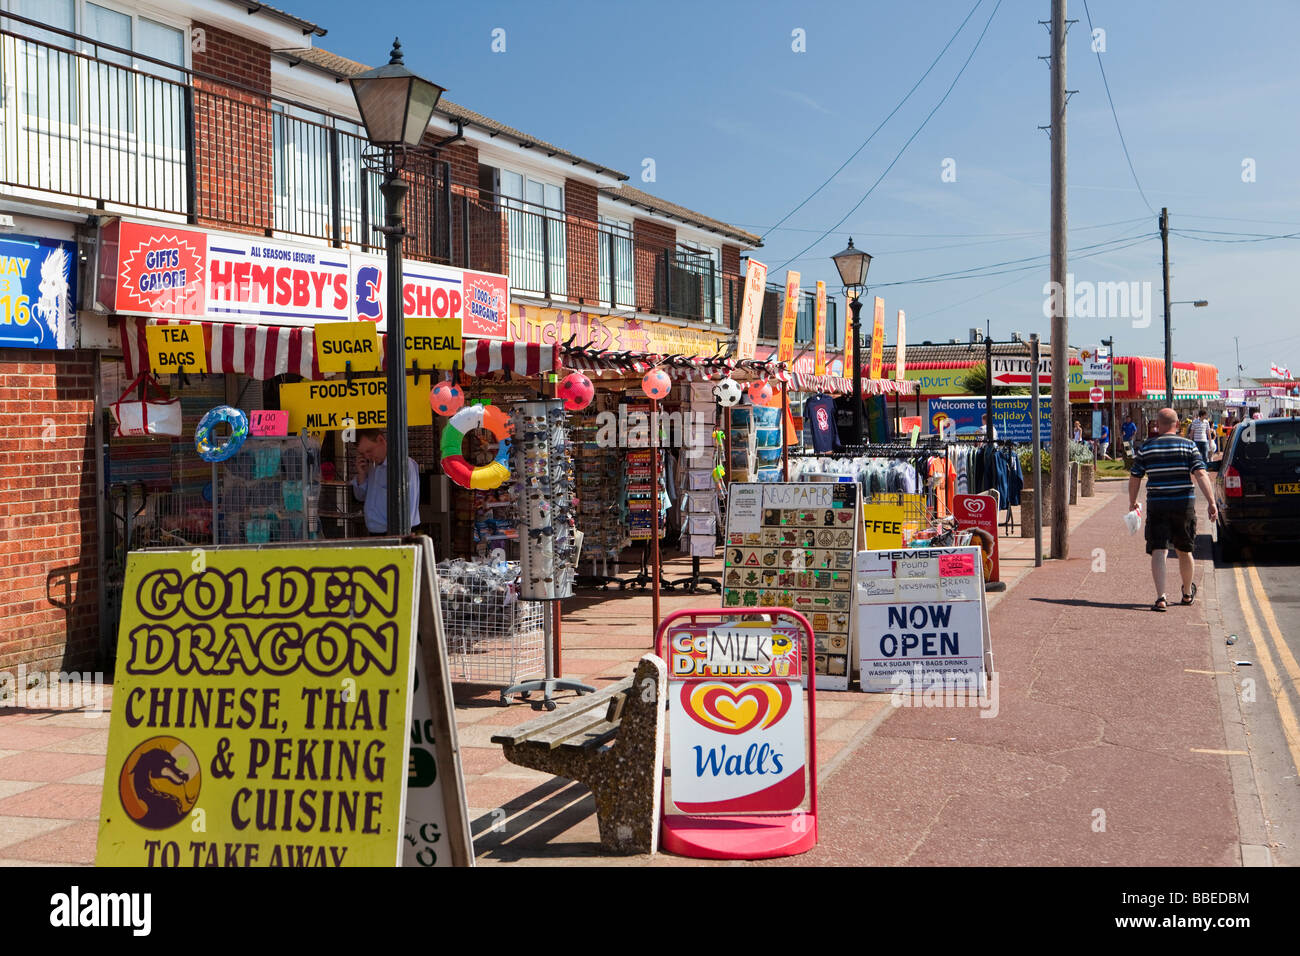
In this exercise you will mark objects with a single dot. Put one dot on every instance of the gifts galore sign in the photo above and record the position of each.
(166, 272)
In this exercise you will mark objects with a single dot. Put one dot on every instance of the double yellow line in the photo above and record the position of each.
(1276, 682)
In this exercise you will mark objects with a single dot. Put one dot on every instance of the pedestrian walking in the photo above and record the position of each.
(1199, 432)
(1174, 469)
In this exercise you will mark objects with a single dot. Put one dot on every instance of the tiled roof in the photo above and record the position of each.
(252, 6)
(637, 197)
(344, 68)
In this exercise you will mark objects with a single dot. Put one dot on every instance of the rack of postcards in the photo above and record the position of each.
(639, 495)
(697, 484)
(596, 461)
(270, 492)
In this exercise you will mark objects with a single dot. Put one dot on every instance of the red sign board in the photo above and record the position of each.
(162, 271)
(1096, 395)
(981, 512)
(739, 733)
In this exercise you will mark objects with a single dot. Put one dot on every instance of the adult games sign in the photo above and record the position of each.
(262, 708)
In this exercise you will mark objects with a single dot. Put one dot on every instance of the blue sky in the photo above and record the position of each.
(743, 128)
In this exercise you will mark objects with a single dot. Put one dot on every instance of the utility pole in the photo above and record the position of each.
(1034, 417)
(1169, 345)
(988, 380)
(1060, 312)
(1237, 342)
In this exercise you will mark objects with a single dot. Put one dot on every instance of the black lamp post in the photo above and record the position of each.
(395, 107)
(853, 265)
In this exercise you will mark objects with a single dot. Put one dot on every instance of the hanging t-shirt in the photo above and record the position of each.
(819, 413)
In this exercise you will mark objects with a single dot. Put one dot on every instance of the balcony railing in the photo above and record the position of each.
(100, 124)
(555, 256)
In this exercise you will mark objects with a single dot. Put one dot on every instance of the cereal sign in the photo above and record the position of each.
(737, 733)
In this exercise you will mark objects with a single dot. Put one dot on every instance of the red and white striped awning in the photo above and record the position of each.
(835, 385)
(259, 351)
(483, 357)
(265, 351)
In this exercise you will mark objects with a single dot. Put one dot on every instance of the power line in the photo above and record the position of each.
(1123, 145)
(1034, 262)
(1022, 234)
(914, 135)
(854, 154)
(1255, 236)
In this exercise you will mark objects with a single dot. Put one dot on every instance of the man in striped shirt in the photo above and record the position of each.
(1174, 468)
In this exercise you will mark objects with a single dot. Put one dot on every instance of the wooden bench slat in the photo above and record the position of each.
(611, 698)
(590, 738)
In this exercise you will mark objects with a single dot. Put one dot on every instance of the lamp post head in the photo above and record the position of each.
(852, 265)
(1200, 303)
(395, 104)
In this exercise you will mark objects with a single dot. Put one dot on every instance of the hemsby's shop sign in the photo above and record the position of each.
(1011, 416)
(38, 293)
(162, 271)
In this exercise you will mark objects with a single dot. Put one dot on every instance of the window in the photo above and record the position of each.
(106, 125)
(535, 216)
(706, 263)
(616, 241)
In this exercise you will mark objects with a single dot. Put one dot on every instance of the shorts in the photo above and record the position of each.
(1171, 524)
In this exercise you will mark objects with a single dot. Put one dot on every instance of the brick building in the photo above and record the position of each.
(225, 118)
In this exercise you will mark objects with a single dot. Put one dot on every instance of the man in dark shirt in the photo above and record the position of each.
(1174, 469)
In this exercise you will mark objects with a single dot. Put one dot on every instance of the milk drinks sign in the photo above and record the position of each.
(737, 717)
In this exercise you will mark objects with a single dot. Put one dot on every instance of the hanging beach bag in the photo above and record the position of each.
(162, 416)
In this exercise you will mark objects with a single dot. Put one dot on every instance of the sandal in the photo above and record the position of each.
(1160, 605)
(1190, 598)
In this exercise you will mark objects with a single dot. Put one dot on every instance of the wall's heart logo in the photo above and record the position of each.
(736, 708)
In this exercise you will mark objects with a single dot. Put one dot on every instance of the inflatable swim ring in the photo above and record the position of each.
(454, 463)
(204, 435)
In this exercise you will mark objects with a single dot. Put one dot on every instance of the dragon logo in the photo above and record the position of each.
(55, 303)
(159, 783)
(368, 294)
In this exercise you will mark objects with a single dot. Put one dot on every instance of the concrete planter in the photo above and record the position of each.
(1027, 510)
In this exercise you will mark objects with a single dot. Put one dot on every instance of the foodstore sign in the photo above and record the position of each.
(186, 273)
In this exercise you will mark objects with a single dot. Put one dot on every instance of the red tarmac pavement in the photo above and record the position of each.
(1092, 758)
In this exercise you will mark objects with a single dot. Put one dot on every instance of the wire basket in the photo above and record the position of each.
(492, 636)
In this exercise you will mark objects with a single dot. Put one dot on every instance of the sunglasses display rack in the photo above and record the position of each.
(545, 495)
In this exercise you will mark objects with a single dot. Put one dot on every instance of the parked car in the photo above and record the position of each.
(1257, 485)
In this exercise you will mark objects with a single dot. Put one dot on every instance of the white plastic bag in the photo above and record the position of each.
(1133, 520)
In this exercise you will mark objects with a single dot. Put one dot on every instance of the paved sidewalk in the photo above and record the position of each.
(52, 762)
(1108, 748)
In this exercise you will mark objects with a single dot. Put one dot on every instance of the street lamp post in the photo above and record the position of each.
(395, 107)
(852, 265)
(1169, 345)
(1114, 418)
